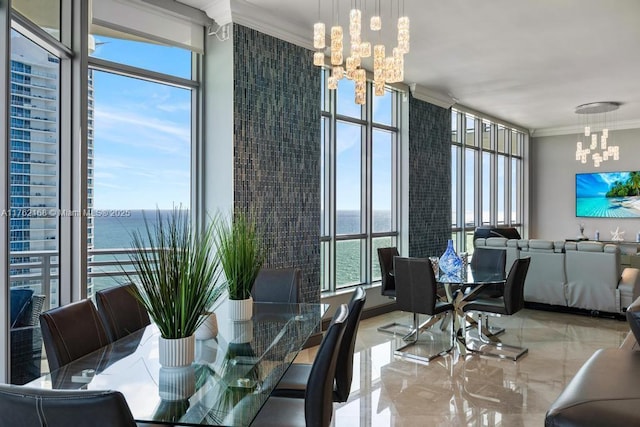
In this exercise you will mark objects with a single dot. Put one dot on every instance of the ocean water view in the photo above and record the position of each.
(115, 232)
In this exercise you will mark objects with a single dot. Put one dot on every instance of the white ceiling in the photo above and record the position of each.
(529, 62)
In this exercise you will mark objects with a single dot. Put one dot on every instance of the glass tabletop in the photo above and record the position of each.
(470, 276)
(229, 382)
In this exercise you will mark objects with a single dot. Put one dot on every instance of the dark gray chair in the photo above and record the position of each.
(489, 260)
(510, 303)
(294, 382)
(316, 409)
(485, 259)
(388, 287)
(29, 407)
(71, 331)
(120, 311)
(277, 285)
(417, 292)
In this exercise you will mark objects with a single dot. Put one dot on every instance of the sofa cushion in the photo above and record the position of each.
(590, 246)
(540, 245)
(496, 242)
(20, 299)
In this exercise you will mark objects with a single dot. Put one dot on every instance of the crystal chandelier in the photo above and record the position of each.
(597, 121)
(388, 64)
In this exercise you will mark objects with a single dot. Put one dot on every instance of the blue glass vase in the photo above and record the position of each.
(450, 263)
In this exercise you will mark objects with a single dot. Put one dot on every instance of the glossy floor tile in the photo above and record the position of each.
(457, 390)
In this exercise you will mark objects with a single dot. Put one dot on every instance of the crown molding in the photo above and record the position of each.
(577, 129)
(430, 96)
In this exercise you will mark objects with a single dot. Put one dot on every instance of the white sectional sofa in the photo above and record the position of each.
(585, 275)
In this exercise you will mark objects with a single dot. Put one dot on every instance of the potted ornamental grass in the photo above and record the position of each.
(177, 274)
(241, 252)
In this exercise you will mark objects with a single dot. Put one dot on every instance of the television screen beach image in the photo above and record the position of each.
(608, 195)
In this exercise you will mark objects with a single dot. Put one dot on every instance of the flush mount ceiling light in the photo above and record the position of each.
(386, 69)
(597, 120)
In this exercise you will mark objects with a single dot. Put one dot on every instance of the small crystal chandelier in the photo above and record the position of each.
(386, 69)
(597, 121)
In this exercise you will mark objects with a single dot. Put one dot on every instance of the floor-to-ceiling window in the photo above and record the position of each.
(86, 136)
(35, 115)
(359, 184)
(487, 176)
(141, 103)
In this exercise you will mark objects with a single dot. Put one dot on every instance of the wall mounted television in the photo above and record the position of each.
(608, 195)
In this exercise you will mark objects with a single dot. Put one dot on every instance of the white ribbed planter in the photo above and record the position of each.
(240, 309)
(177, 383)
(242, 331)
(209, 328)
(177, 352)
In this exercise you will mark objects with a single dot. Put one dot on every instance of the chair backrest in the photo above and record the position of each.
(277, 285)
(71, 331)
(120, 311)
(514, 287)
(318, 397)
(385, 258)
(30, 407)
(344, 368)
(416, 286)
(485, 259)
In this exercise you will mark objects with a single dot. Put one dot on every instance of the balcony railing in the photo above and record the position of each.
(39, 271)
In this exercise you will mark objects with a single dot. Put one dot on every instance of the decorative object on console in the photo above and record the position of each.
(581, 236)
(595, 119)
(617, 235)
(387, 68)
(450, 263)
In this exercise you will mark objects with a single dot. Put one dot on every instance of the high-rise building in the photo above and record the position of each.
(35, 166)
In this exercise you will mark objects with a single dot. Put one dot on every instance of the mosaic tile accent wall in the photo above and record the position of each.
(277, 149)
(429, 178)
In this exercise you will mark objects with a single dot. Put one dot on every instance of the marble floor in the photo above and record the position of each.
(457, 390)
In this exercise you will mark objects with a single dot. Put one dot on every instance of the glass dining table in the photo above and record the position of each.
(228, 383)
(461, 288)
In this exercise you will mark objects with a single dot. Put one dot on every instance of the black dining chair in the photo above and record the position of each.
(510, 303)
(294, 382)
(71, 331)
(280, 285)
(31, 407)
(120, 311)
(417, 292)
(388, 287)
(316, 409)
(490, 260)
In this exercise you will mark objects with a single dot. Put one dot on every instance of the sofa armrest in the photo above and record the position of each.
(604, 392)
(630, 282)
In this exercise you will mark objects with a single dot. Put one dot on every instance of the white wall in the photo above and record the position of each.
(553, 170)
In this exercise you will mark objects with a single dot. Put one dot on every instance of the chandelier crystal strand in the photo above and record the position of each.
(319, 35)
(403, 34)
(361, 86)
(365, 50)
(336, 45)
(318, 59)
(319, 40)
(376, 22)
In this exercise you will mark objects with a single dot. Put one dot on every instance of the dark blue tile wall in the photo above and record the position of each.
(277, 149)
(429, 178)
